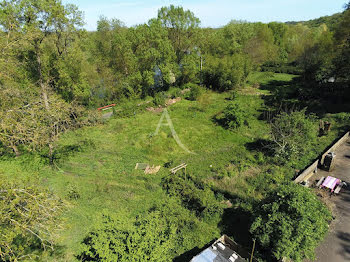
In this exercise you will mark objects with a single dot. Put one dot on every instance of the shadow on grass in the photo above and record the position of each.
(63, 152)
(297, 94)
(260, 145)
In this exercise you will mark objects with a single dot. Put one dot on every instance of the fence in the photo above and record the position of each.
(310, 170)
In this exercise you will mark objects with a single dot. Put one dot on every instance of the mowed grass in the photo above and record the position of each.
(98, 162)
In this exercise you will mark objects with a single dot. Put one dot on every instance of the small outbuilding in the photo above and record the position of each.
(222, 250)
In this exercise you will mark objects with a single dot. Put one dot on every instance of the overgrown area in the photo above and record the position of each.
(246, 100)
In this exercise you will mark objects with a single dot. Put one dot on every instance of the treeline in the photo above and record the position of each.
(52, 70)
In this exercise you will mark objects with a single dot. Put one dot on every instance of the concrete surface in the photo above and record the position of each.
(336, 246)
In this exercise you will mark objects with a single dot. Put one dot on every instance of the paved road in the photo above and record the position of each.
(336, 246)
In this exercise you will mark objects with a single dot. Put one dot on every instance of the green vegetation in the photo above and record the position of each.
(291, 221)
(153, 237)
(233, 116)
(94, 171)
(28, 222)
(254, 93)
(292, 134)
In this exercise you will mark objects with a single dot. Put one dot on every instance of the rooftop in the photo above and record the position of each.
(220, 251)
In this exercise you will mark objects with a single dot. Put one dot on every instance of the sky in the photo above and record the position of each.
(211, 13)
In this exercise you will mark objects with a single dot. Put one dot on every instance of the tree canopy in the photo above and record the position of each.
(290, 222)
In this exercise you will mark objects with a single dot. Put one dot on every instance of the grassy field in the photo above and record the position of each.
(97, 163)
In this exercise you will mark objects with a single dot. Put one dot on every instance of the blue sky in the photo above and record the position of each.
(211, 13)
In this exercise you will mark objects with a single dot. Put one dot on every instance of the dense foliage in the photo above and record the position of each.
(292, 133)
(150, 239)
(290, 222)
(156, 236)
(234, 116)
(54, 74)
(28, 221)
(46, 53)
(194, 196)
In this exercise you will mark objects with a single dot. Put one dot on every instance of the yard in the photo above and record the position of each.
(94, 171)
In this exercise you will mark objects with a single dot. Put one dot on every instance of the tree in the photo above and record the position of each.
(291, 222)
(155, 56)
(45, 24)
(182, 26)
(342, 37)
(261, 47)
(291, 134)
(279, 31)
(28, 221)
(46, 30)
(226, 73)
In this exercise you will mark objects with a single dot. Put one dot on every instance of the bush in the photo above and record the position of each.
(342, 117)
(232, 95)
(292, 135)
(233, 116)
(277, 67)
(73, 192)
(29, 220)
(196, 197)
(195, 91)
(174, 92)
(159, 99)
(291, 222)
(149, 238)
(165, 231)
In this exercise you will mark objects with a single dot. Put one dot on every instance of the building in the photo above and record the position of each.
(222, 250)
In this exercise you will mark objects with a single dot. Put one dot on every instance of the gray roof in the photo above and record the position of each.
(218, 252)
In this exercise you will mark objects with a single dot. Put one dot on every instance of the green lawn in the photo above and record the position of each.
(98, 162)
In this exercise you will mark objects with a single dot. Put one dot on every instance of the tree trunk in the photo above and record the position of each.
(41, 80)
(51, 153)
(16, 151)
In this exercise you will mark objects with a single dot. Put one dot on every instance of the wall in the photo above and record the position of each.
(335, 146)
(308, 172)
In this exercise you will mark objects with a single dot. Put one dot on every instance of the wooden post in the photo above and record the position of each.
(251, 256)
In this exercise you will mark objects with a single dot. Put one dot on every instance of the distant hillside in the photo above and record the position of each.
(331, 21)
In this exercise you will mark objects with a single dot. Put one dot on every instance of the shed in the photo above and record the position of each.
(222, 250)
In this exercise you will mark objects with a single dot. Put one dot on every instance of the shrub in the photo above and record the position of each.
(73, 193)
(160, 234)
(174, 92)
(292, 134)
(195, 91)
(196, 197)
(342, 117)
(149, 238)
(233, 116)
(159, 99)
(232, 95)
(291, 222)
(28, 221)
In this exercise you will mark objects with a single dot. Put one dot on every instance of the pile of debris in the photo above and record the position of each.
(147, 169)
(159, 109)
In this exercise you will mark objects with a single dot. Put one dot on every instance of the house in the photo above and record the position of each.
(222, 250)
